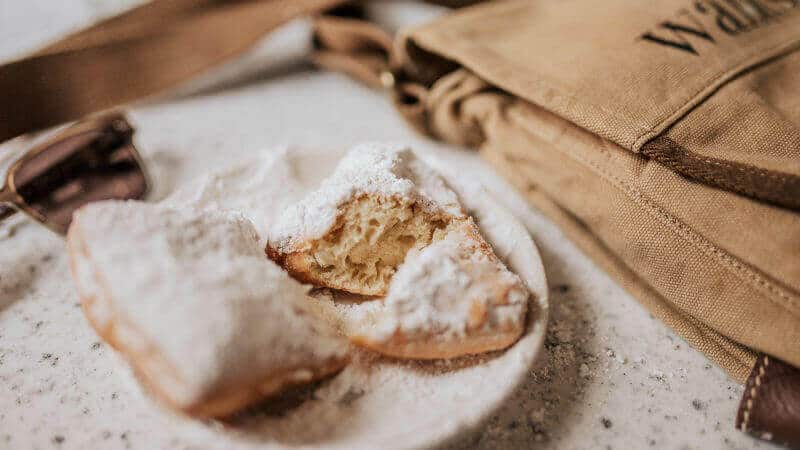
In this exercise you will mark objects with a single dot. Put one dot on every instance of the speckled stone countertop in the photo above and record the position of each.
(613, 376)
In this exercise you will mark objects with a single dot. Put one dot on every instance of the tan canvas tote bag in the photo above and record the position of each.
(681, 155)
(663, 137)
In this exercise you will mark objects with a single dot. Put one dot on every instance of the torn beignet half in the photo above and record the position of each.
(353, 232)
(207, 323)
(452, 298)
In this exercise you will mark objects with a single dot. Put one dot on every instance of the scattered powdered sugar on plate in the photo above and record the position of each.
(374, 402)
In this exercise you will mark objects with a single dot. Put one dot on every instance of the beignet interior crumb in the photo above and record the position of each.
(370, 239)
(353, 232)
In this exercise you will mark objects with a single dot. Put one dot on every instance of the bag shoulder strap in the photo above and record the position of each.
(160, 44)
(136, 54)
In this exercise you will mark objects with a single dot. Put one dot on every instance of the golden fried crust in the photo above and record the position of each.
(152, 368)
(299, 266)
(367, 241)
(476, 340)
(431, 347)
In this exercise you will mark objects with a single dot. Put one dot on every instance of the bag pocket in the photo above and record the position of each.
(708, 88)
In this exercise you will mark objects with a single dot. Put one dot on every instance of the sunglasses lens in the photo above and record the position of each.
(99, 163)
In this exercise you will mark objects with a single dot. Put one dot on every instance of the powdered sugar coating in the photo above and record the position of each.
(382, 169)
(435, 292)
(262, 186)
(195, 284)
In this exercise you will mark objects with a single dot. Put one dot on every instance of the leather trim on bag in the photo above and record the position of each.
(774, 187)
(770, 407)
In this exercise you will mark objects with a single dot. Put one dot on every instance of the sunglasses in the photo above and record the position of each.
(90, 161)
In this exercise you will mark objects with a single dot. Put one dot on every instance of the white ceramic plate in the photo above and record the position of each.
(380, 403)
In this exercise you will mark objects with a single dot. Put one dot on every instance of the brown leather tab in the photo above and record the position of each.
(782, 189)
(770, 407)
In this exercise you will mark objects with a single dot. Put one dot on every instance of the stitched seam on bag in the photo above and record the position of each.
(707, 333)
(752, 393)
(691, 236)
(756, 58)
(747, 274)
